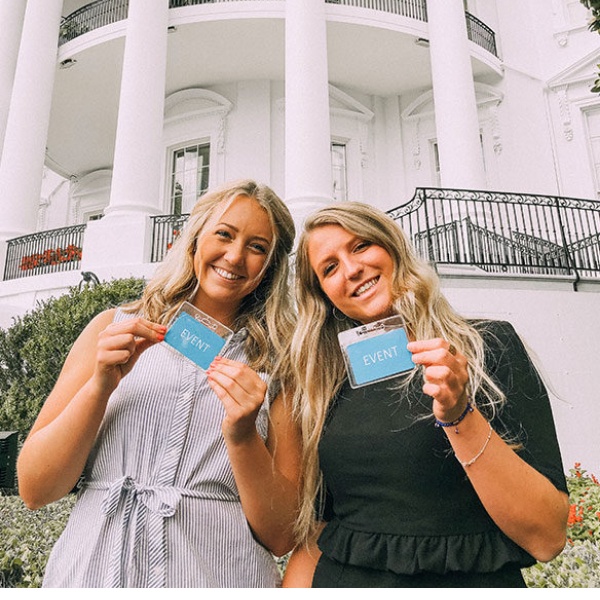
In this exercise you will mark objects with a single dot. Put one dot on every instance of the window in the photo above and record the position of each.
(189, 176)
(593, 125)
(435, 160)
(576, 13)
(338, 169)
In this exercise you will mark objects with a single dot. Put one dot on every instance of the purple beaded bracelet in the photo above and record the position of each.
(468, 409)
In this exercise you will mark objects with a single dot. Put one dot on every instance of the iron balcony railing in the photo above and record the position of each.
(165, 230)
(92, 16)
(414, 9)
(497, 232)
(44, 252)
(505, 232)
(104, 12)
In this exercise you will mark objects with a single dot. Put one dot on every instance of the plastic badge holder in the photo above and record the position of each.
(197, 336)
(376, 351)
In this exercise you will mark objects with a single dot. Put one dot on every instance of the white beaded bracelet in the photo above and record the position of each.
(487, 441)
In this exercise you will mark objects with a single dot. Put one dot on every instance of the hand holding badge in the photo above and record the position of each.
(376, 351)
(197, 336)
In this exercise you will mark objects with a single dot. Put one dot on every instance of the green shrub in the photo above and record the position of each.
(26, 539)
(578, 566)
(34, 348)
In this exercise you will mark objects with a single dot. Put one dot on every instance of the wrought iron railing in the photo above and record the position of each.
(479, 33)
(104, 12)
(165, 230)
(505, 232)
(44, 252)
(92, 16)
(497, 232)
(179, 3)
(414, 9)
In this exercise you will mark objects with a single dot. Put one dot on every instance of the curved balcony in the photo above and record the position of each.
(105, 12)
(505, 233)
(44, 252)
(499, 233)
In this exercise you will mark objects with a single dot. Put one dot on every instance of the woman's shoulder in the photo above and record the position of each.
(496, 333)
(103, 319)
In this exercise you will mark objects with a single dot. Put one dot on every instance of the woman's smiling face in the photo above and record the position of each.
(355, 274)
(230, 257)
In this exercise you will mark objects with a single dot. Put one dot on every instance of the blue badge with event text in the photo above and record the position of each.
(197, 336)
(376, 351)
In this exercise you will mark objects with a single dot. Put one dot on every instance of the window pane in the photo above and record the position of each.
(190, 176)
(338, 169)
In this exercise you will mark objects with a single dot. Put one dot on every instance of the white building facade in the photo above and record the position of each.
(472, 121)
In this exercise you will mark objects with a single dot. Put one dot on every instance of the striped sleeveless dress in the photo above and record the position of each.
(159, 506)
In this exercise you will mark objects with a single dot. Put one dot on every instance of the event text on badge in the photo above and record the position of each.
(193, 340)
(380, 355)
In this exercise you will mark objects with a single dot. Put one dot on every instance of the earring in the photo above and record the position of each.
(338, 316)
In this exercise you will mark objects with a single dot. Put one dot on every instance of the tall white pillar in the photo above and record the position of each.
(308, 179)
(23, 155)
(12, 13)
(123, 235)
(457, 123)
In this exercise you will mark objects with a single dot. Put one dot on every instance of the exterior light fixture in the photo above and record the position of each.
(68, 63)
(89, 278)
(422, 42)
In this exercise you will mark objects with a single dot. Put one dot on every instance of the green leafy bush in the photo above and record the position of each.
(34, 348)
(26, 539)
(578, 565)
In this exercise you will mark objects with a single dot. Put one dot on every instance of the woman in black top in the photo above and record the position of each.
(448, 475)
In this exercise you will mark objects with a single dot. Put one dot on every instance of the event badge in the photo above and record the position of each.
(197, 336)
(376, 351)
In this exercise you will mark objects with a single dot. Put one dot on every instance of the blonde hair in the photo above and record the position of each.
(268, 312)
(418, 298)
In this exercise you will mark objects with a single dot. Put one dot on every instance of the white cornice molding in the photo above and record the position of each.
(200, 103)
(485, 95)
(582, 71)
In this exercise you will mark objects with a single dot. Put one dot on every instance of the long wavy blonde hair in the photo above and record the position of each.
(268, 312)
(417, 297)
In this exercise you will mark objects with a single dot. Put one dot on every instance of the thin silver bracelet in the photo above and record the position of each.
(487, 441)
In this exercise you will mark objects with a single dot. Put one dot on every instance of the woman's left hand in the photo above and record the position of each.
(445, 374)
(242, 393)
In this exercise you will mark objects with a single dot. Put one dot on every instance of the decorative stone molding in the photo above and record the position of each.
(192, 103)
(565, 111)
(488, 100)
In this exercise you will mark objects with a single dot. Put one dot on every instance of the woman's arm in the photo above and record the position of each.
(524, 503)
(267, 475)
(56, 449)
(301, 567)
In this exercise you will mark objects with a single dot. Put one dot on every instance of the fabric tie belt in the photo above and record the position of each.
(156, 503)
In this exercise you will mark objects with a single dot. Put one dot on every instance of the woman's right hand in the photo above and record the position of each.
(120, 345)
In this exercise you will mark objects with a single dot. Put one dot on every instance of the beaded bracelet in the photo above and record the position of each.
(468, 409)
(470, 462)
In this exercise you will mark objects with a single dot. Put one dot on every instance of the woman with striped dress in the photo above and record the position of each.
(188, 477)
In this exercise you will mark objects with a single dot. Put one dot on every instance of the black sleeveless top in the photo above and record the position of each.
(397, 499)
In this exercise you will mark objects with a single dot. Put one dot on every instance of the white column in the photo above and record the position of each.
(122, 236)
(12, 13)
(457, 123)
(26, 133)
(308, 180)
